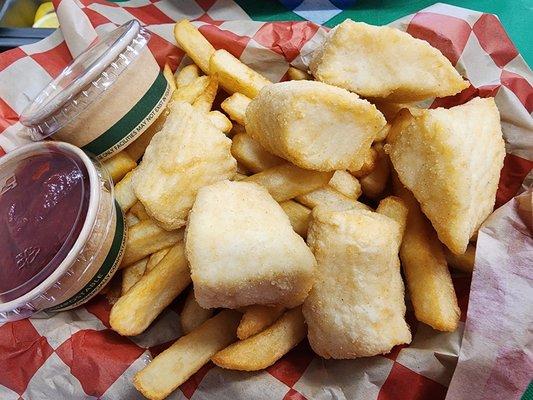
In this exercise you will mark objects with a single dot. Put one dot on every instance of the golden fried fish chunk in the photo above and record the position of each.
(314, 125)
(385, 63)
(242, 249)
(356, 307)
(450, 159)
(188, 153)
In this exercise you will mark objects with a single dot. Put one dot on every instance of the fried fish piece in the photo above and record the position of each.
(450, 159)
(384, 62)
(356, 306)
(188, 153)
(314, 125)
(242, 249)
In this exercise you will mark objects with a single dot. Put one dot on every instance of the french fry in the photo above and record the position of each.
(346, 184)
(235, 106)
(192, 315)
(426, 272)
(236, 130)
(220, 121)
(155, 258)
(137, 148)
(252, 155)
(299, 215)
(235, 76)
(368, 165)
(239, 177)
(329, 197)
(189, 93)
(287, 181)
(394, 208)
(383, 133)
(119, 165)
(169, 75)
(265, 348)
(196, 46)
(136, 309)
(131, 219)
(204, 101)
(187, 75)
(186, 356)
(296, 74)
(375, 182)
(241, 169)
(463, 262)
(133, 274)
(139, 211)
(113, 289)
(146, 238)
(124, 193)
(390, 110)
(256, 319)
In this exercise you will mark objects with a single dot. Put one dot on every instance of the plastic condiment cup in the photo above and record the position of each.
(96, 252)
(105, 98)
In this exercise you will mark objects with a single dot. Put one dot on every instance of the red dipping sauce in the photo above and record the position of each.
(43, 206)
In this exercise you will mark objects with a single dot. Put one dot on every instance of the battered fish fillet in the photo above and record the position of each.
(385, 63)
(451, 161)
(242, 249)
(356, 307)
(314, 125)
(188, 153)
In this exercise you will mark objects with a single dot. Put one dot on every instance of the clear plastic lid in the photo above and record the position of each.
(84, 80)
(44, 201)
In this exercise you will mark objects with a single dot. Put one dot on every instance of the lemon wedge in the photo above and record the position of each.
(47, 21)
(44, 8)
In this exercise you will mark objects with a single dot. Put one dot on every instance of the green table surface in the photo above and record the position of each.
(516, 15)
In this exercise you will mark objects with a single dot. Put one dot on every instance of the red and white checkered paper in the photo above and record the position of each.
(75, 355)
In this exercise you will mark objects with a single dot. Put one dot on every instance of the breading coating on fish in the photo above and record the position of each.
(314, 125)
(450, 159)
(242, 249)
(188, 153)
(385, 63)
(356, 306)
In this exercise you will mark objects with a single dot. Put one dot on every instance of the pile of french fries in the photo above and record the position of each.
(155, 269)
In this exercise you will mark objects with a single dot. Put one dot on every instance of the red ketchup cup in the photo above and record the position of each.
(62, 235)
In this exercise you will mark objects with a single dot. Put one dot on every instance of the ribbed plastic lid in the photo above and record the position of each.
(84, 80)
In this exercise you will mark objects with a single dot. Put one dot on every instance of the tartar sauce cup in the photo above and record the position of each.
(106, 98)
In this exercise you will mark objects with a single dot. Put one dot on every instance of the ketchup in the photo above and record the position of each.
(43, 205)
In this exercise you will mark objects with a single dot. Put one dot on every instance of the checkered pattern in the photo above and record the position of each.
(318, 11)
(75, 355)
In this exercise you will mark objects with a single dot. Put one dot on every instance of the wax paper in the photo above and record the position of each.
(75, 355)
